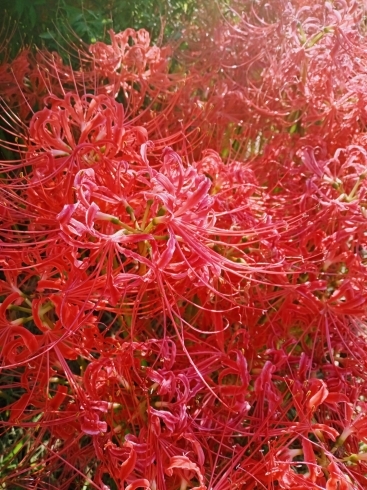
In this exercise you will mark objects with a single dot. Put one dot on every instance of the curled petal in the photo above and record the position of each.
(167, 255)
(21, 344)
(188, 468)
(123, 459)
(91, 424)
(318, 394)
(141, 483)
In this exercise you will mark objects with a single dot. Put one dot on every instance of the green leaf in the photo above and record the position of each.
(47, 35)
(32, 16)
(19, 7)
(93, 14)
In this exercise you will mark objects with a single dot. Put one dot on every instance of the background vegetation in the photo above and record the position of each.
(54, 23)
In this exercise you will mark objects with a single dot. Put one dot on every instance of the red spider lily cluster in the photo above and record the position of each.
(183, 277)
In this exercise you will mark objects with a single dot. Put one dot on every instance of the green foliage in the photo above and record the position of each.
(57, 23)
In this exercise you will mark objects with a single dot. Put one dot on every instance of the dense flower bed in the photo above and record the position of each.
(183, 257)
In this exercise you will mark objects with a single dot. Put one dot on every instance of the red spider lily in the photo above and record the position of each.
(29, 79)
(124, 62)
